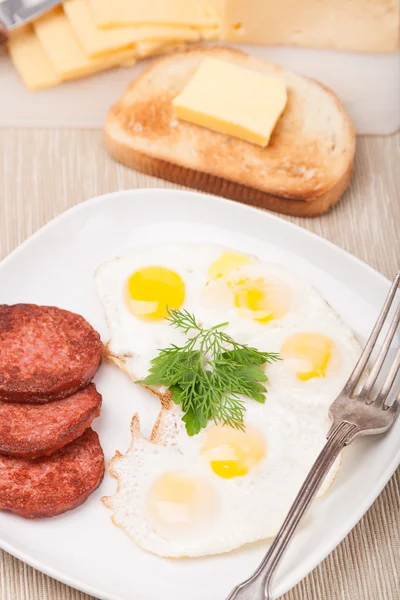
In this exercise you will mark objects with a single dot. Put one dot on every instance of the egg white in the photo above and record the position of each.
(318, 392)
(136, 342)
(246, 508)
(293, 420)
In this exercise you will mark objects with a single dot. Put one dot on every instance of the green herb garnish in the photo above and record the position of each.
(209, 373)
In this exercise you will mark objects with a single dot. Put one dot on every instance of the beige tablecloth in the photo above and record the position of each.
(43, 172)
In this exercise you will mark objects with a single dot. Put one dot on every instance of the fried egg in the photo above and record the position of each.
(215, 284)
(136, 290)
(190, 496)
(317, 357)
(181, 496)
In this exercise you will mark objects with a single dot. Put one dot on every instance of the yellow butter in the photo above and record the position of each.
(233, 100)
(97, 42)
(196, 13)
(64, 51)
(31, 61)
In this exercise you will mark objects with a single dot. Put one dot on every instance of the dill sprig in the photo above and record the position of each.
(210, 374)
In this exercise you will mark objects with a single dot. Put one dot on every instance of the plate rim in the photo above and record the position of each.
(77, 583)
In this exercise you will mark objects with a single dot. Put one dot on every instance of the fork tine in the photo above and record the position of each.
(387, 386)
(364, 358)
(376, 369)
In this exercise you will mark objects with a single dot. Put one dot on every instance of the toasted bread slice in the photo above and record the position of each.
(303, 171)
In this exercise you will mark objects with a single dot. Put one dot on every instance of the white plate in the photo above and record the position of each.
(82, 548)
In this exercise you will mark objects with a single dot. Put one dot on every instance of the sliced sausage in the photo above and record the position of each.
(52, 485)
(46, 353)
(32, 430)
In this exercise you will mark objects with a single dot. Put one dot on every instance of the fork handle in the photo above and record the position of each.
(257, 587)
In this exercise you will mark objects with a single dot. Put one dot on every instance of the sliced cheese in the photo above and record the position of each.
(31, 61)
(64, 51)
(196, 13)
(361, 25)
(97, 42)
(57, 38)
(233, 100)
(210, 33)
(129, 62)
(145, 49)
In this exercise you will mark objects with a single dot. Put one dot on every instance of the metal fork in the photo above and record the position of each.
(352, 414)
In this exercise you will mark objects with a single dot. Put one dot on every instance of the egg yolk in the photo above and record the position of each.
(262, 300)
(226, 263)
(310, 354)
(151, 291)
(231, 452)
(177, 502)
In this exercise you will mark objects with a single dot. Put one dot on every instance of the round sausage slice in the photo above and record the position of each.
(32, 430)
(46, 353)
(51, 485)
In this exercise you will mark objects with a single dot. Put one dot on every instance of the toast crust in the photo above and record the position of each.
(219, 186)
(298, 173)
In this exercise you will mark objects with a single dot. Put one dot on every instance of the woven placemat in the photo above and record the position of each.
(44, 172)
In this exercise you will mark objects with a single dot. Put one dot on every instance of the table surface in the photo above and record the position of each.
(44, 172)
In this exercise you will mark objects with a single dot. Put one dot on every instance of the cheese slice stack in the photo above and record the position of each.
(67, 43)
(97, 42)
(86, 36)
(31, 61)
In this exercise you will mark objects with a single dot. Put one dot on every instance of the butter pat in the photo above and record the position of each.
(233, 100)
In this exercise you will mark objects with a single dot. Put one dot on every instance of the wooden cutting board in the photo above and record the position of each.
(367, 84)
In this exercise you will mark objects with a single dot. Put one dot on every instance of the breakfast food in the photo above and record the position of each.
(33, 430)
(181, 496)
(360, 25)
(201, 326)
(99, 42)
(65, 58)
(111, 13)
(303, 171)
(69, 60)
(258, 299)
(240, 102)
(52, 485)
(86, 36)
(50, 459)
(31, 61)
(65, 44)
(46, 353)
